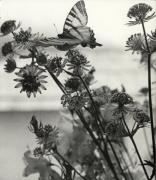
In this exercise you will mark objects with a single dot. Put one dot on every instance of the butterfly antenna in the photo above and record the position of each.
(55, 29)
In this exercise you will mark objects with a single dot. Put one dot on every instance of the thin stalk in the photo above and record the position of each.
(56, 81)
(117, 159)
(126, 165)
(94, 106)
(135, 146)
(146, 140)
(73, 168)
(106, 155)
(150, 94)
(128, 155)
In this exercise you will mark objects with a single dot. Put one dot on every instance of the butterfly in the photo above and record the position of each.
(75, 31)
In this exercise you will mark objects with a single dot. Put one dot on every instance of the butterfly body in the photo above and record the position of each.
(75, 31)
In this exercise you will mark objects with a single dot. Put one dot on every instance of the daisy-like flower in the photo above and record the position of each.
(136, 43)
(56, 65)
(8, 27)
(76, 61)
(7, 49)
(10, 65)
(39, 165)
(140, 13)
(31, 80)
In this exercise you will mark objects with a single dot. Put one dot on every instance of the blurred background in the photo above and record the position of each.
(114, 66)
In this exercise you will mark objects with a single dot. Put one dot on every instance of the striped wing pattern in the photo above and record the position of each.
(76, 17)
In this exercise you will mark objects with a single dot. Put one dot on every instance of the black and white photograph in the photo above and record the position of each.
(77, 89)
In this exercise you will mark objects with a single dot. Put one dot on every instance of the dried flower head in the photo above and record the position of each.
(73, 84)
(76, 61)
(121, 98)
(136, 43)
(153, 39)
(41, 59)
(31, 80)
(141, 117)
(25, 39)
(73, 102)
(7, 49)
(140, 13)
(10, 65)
(8, 27)
(46, 135)
(23, 36)
(116, 130)
(56, 65)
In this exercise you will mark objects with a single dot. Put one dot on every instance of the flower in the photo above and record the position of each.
(153, 40)
(41, 59)
(8, 27)
(56, 65)
(136, 43)
(25, 39)
(140, 13)
(73, 84)
(30, 80)
(46, 135)
(141, 117)
(10, 65)
(76, 61)
(121, 98)
(39, 165)
(116, 129)
(7, 49)
(73, 101)
(23, 36)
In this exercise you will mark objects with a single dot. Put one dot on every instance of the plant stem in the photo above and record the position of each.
(64, 160)
(128, 155)
(126, 165)
(106, 155)
(56, 81)
(135, 146)
(117, 159)
(150, 94)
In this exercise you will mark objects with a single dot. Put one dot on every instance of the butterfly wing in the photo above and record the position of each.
(76, 17)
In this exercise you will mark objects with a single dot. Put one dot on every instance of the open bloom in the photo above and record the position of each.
(39, 165)
(140, 13)
(77, 61)
(23, 39)
(31, 80)
(136, 43)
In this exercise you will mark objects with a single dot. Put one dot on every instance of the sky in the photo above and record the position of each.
(107, 18)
